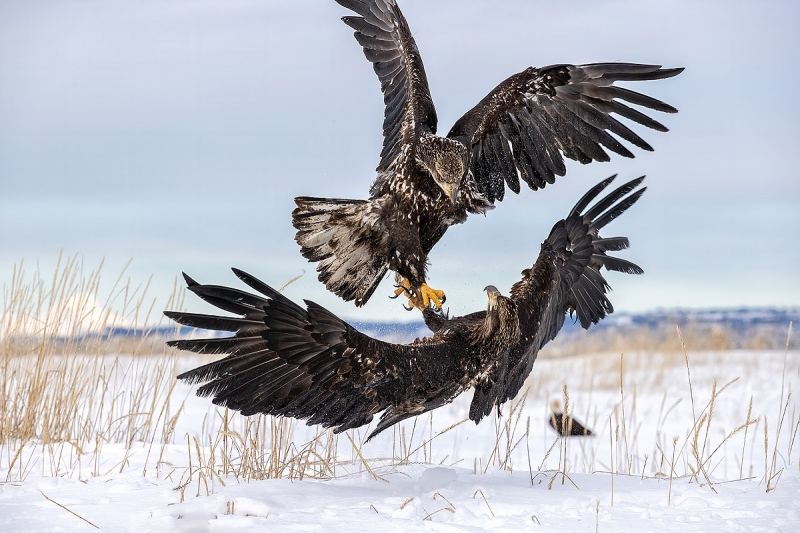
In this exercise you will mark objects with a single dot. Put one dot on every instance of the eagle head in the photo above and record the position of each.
(446, 160)
(500, 327)
(493, 294)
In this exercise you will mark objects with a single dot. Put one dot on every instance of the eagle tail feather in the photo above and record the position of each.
(341, 236)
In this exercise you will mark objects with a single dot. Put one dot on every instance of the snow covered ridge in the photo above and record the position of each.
(743, 321)
(738, 324)
(738, 318)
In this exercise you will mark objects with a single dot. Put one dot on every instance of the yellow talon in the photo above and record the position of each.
(420, 298)
(425, 296)
(403, 287)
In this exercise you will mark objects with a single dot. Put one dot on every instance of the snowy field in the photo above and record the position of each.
(704, 447)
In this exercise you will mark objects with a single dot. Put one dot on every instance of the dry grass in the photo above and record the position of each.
(662, 339)
(72, 406)
(69, 388)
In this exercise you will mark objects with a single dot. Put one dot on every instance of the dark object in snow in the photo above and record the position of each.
(309, 364)
(521, 130)
(573, 428)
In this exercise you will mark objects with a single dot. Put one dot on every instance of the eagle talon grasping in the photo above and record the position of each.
(305, 362)
(424, 297)
(418, 299)
(520, 132)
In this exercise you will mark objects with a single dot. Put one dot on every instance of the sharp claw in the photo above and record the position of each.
(402, 286)
(394, 297)
(400, 290)
(420, 298)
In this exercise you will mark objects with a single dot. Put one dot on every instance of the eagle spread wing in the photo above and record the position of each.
(310, 364)
(565, 279)
(523, 126)
(383, 33)
(307, 363)
(352, 240)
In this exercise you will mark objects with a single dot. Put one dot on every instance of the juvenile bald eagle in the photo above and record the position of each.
(522, 129)
(566, 426)
(307, 363)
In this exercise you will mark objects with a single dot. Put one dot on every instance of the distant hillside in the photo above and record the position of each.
(704, 329)
(736, 318)
(712, 329)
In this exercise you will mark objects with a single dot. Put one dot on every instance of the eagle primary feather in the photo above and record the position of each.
(520, 132)
(305, 362)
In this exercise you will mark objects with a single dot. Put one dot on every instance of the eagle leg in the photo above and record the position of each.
(426, 295)
(403, 286)
(418, 298)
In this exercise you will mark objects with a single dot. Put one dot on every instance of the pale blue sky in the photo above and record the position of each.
(177, 133)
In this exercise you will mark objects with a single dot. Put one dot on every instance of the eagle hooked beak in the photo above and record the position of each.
(492, 293)
(452, 192)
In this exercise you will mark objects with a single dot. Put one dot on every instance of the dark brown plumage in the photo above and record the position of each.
(521, 130)
(309, 364)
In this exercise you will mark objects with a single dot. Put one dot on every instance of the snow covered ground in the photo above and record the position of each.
(716, 456)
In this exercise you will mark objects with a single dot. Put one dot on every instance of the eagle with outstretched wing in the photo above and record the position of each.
(520, 132)
(307, 363)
